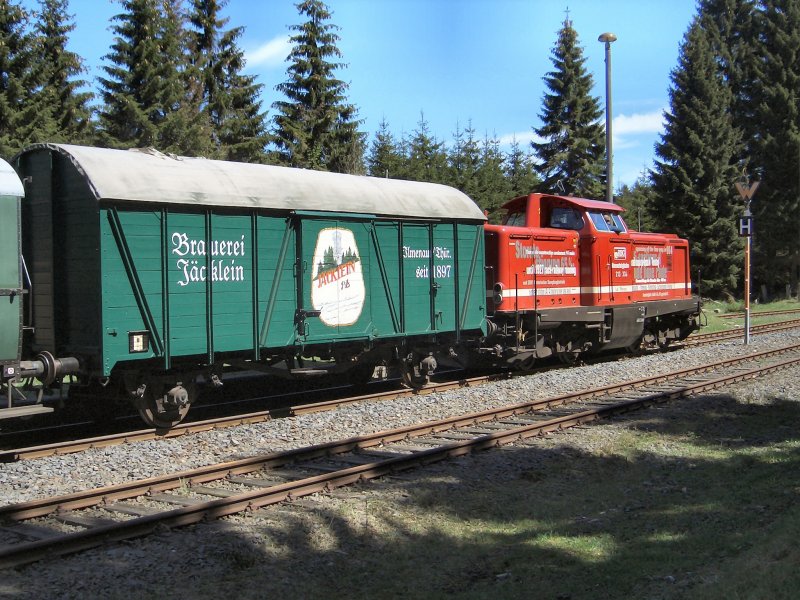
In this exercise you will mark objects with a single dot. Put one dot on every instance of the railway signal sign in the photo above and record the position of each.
(745, 226)
(746, 191)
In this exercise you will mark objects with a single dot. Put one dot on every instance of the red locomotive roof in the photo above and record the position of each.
(582, 202)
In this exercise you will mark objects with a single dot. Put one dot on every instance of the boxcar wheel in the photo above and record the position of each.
(412, 377)
(165, 410)
(361, 373)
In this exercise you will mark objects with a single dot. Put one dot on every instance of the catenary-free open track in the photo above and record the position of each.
(188, 428)
(66, 524)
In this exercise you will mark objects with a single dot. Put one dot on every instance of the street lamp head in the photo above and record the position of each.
(607, 37)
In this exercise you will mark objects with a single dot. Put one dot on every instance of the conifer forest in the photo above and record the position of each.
(174, 80)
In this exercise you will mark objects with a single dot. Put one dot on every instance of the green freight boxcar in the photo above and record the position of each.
(153, 269)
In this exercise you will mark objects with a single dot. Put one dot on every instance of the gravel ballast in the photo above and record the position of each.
(131, 569)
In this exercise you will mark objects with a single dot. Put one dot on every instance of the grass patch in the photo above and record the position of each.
(713, 310)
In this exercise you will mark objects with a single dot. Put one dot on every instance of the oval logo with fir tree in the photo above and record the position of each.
(337, 282)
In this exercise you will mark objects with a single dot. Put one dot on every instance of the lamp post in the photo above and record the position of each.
(607, 38)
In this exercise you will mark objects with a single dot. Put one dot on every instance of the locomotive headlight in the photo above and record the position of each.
(498, 293)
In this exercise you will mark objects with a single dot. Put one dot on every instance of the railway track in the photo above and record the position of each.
(766, 313)
(188, 428)
(732, 334)
(65, 524)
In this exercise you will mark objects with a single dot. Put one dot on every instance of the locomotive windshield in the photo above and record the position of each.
(606, 221)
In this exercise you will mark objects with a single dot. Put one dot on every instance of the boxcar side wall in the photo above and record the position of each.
(371, 279)
(215, 283)
(196, 284)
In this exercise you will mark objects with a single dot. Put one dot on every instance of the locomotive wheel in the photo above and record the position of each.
(155, 414)
(525, 364)
(636, 349)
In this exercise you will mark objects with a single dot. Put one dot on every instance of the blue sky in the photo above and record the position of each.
(461, 60)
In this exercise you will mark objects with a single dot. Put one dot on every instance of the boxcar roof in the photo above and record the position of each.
(150, 176)
(10, 185)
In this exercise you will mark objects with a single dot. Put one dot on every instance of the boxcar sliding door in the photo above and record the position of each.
(333, 302)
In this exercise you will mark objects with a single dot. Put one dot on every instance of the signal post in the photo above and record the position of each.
(746, 191)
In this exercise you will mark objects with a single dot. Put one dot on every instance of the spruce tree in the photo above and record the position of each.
(16, 77)
(776, 145)
(181, 127)
(427, 156)
(131, 95)
(145, 97)
(494, 189)
(59, 70)
(385, 157)
(694, 177)
(637, 199)
(731, 30)
(316, 127)
(573, 152)
(520, 172)
(229, 99)
(464, 160)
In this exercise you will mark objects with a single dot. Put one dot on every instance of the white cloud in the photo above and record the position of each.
(269, 54)
(624, 125)
(524, 138)
(651, 122)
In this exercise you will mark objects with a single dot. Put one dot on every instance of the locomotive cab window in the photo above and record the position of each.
(566, 218)
(515, 219)
(607, 222)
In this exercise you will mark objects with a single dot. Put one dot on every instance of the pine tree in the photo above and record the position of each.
(16, 77)
(316, 127)
(637, 199)
(698, 165)
(520, 172)
(427, 156)
(229, 99)
(58, 72)
(145, 96)
(132, 106)
(494, 189)
(385, 158)
(181, 127)
(731, 30)
(464, 160)
(573, 152)
(776, 145)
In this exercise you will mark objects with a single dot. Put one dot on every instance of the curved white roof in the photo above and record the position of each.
(149, 176)
(10, 185)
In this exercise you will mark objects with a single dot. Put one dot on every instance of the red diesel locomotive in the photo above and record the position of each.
(565, 276)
